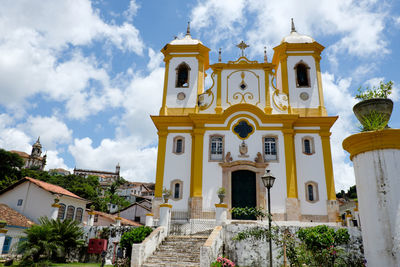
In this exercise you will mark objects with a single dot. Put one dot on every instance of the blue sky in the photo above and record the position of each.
(86, 75)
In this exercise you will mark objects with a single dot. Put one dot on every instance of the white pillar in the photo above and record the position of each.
(118, 220)
(90, 221)
(165, 214)
(54, 210)
(2, 238)
(376, 157)
(349, 221)
(149, 219)
(220, 214)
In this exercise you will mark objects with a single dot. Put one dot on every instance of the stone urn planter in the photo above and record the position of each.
(166, 195)
(365, 108)
(221, 194)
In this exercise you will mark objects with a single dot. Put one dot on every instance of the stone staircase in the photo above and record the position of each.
(182, 251)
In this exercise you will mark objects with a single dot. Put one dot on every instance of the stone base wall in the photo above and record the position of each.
(293, 212)
(332, 207)
(196, 207)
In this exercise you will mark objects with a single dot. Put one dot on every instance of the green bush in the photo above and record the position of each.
(136, 235)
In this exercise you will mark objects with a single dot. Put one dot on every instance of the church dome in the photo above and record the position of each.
(294, 37)
(187, 40)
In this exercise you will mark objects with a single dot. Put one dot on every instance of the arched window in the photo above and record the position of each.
(79, 214)
(179, 145)
(270, 148)
(302, 75)
(177, 189)
(311, 189)
(182, 75)
(310, 192)
(308, 145)
(70, 213)
(216, 147)
(61, 211)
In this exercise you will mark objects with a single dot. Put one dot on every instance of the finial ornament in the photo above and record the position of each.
(265, 54)
(293, 28)
(242, 46)
(188, 28)
(219, 55)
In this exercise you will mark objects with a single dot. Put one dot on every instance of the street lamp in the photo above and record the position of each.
(268, 181)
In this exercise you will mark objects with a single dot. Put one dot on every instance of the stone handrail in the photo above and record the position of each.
(140, 252)
(212, 248)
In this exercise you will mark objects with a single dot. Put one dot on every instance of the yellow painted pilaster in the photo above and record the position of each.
(163, 110)
(218, 108)
(267, 109)
(326, 151)
(162, 145)
(290, 158)
(321, 107)
(284, 77)
(196, 179)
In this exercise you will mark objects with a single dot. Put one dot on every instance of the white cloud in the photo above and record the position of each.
(52, 131)
(137, 162)
(12, 138)
(39, 53)
(132, 10)
(340, 101)
(54, 161)
(359, 25)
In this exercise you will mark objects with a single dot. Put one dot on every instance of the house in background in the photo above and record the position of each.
(16, 225)
(59, 171)
(106, 178)
(35, 159)
(137, 211)
(33, 198)
(136, 191)
(106, 219)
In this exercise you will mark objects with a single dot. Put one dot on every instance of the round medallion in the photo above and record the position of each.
(181, 96)
(304, 96)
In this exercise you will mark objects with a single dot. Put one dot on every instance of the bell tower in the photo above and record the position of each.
(298, 73)
(186, 61)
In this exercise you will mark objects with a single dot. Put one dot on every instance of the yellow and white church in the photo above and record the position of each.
(255, 116)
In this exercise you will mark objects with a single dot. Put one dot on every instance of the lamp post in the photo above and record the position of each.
(268, 181)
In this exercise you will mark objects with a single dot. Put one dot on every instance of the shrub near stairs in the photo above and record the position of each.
(134, 236)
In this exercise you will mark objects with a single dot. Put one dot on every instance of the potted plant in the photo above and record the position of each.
(375, 108)
(166, 194)
(221, 194)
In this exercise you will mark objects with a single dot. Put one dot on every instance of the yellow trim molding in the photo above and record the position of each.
(290, 158)
(149, 214)
(221, 205)
(367, 141)
(326, 150)
(162, 146)
(56, 205)
(3, 231)
(166, 205)
(196, 181)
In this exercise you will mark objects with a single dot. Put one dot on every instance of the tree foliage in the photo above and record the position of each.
(10, 165)
(136, 235)
(50, 240)
(350, 194)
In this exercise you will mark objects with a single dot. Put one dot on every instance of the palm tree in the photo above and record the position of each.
(52, 239)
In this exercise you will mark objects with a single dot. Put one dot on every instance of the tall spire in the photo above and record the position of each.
(293, 28)
(188, 29)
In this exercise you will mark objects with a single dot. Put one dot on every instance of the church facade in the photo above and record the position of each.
(255, 116)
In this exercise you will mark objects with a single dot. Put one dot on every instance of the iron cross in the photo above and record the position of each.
(242, 46)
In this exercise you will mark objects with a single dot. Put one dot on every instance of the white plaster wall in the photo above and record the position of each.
(135, 211)
(378, 187)
(254, 86)
(311, 168)
(294, 92)
(208, 99)
(190, 92)
(279, 77)
(36, 201)
(212, 172)
(178, 167)
(15, 233)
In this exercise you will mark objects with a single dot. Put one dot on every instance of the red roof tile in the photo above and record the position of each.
(13, 217)
(112, 217)
(53, 188)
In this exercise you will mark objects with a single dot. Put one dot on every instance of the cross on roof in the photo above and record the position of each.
(242, 46)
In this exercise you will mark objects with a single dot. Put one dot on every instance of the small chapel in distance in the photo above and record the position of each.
(255, 116)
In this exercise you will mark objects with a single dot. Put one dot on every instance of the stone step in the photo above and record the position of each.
(183, 264)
